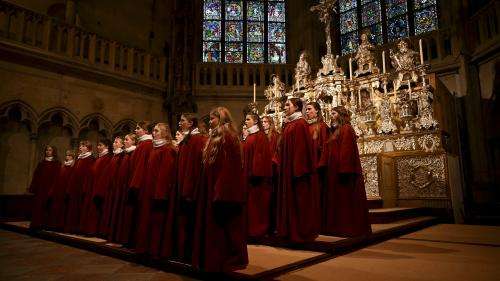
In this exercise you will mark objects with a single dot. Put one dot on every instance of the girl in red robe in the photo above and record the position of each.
(220, 232)
(58, 193)
(109, 193)
(319, 133)
(43, 179)
(273, 136)
(347, 210)
(122, 213)
(296, 219)
(138, 170)
(79, 182)
(257, 168)
(191, 144)
(158, 194)
(94, 195)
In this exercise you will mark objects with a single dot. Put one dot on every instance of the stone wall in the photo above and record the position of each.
(39, 107)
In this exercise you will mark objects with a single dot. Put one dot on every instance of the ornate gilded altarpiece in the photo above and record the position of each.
(391, 112)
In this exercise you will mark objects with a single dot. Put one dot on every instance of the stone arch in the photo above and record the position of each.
(60, 116)
(58, 127)
(20, 111)
(123, 127)
(95, 122)
(17, 132)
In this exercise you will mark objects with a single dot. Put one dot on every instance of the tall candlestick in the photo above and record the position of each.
(383, 61)
(409, 86)
(359, 98)
(350, 68)
(254, 92)
(421, 51)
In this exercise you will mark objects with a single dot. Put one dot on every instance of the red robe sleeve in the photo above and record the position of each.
(229, 186)
(140, 164)
(34, 180)
(302, 143)
(348, 160)
(193, 166)
(167, 175)
(261, 164)
(325, 154)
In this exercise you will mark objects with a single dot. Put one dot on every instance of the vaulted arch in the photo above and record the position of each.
(20, 111)
(96, 122)
(60, 116)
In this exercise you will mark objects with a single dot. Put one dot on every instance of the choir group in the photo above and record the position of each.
(200, 197)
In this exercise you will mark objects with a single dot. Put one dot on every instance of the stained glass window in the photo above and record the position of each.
(238, 31)
(346, 5)
(425, 16)
(384, 20)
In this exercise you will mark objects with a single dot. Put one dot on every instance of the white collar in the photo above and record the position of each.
(145, 137)
(195, 131)
(69, 163)
(252, 130)
(103, 153)
(130, 149)
(294, 116)
(84, 155)
(312, 120)
(51, 158)
(159, 143)
(117, 151)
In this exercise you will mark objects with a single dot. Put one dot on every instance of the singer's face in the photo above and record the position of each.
(185, 124)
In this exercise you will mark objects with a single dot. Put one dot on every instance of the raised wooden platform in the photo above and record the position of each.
(266, 260)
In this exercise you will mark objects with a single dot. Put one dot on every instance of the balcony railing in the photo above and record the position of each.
(23, 28)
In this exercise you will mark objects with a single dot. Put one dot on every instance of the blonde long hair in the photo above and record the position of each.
(216, 136)
(165, 131)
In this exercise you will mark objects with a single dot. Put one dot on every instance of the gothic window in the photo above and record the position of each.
(239, 31)
(385, 20)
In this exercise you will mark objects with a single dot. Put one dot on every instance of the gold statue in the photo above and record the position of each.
(302, 72)
(365, 58)
(403, 61)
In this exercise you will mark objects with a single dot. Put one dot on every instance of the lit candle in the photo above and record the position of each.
(409, 86)
(383, 61)
(359, 98)
(350, 68)
(421, 51)
(254, 92)
(385, 89)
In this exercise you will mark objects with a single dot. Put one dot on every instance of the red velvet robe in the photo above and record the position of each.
(58, 206)
(122, 213)
(274, 140)
(43, 179)
(220, 231)
(296, 221)
(138, 168)
(319, 134)
(188, 180)
(257, 168)
(91, 217)
(346, 213)
(79, 182)
(157, 202)
(109, 194)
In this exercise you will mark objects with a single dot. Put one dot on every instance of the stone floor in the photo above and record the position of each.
(25, 258)
(442, 252)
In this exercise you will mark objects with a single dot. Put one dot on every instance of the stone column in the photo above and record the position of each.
(70, 11)
(33, 159)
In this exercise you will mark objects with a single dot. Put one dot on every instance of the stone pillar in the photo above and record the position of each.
(33, 159)
(70, 11)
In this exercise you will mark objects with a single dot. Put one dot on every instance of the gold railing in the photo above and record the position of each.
(23, 28)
